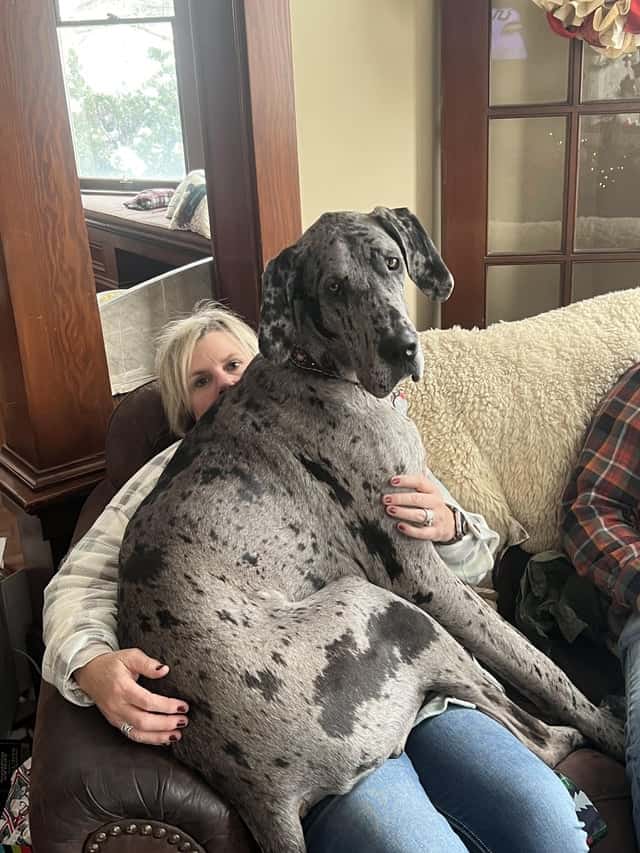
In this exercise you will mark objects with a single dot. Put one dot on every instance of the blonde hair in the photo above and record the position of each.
(174, 351)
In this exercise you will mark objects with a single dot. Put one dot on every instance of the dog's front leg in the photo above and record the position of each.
(503, 649)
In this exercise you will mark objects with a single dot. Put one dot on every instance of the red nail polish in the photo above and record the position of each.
(392, 510)
(401, 527)
(182, 709)
(181, 724)
(173, 738)
(395, 481)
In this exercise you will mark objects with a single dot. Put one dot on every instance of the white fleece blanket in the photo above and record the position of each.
(503, 411)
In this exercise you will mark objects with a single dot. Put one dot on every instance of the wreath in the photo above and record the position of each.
(612, 27)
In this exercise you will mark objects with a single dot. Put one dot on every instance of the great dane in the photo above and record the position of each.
(305, 631)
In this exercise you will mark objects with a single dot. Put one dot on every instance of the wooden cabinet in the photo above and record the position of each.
(128, 246)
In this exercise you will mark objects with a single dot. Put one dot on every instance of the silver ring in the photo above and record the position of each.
(126, 729)
(429, 518)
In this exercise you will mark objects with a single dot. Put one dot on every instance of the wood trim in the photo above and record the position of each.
(187, 88)
(243, 66)
(123, 186)
(270, 59)
(571, 169)
(54, 382)
(223, 93)
(143, 233)
(464, 177)
(33, 503)
(38, 479)
(589, 108)
(560, 257)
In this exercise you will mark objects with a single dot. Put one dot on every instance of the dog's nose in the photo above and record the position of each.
(410, 350)
(399, 348)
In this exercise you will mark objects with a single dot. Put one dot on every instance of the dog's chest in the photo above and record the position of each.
(290, 506)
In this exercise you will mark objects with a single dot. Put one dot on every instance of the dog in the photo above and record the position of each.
(304, 631)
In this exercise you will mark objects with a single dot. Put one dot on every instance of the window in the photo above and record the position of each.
(541, 164)
(130, 86)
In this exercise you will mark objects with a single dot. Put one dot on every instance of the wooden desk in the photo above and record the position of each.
(130, 246)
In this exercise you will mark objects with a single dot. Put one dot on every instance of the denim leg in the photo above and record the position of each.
(496, 793)
(386, 812)
(630, 651)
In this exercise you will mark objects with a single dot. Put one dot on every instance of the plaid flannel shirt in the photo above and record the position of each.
(600, 522)
(80, 602)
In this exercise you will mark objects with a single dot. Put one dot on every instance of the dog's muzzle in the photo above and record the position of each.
(402, 352)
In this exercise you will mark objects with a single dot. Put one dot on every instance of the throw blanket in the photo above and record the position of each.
(502, 411)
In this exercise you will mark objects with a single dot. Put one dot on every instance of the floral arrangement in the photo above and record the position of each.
(612, 27)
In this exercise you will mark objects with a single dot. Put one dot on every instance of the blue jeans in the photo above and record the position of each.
(464, 785)
(629, 645)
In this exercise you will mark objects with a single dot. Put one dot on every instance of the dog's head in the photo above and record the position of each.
(337, 295)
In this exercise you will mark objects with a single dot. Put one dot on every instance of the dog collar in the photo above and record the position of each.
(300, 358)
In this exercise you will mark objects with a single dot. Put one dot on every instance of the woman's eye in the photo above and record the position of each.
(392, 263)
(201, 382)
(232, 366)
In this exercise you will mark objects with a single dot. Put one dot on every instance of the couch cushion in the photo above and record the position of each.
(137, 431)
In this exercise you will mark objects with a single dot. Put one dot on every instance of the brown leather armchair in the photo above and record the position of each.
(93, 791)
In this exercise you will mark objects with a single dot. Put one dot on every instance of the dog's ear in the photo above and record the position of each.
(422, 260)
(277, 328)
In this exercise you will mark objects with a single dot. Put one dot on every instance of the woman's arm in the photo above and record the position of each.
(472, 556)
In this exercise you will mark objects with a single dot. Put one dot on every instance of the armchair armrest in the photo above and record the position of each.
(91, 788)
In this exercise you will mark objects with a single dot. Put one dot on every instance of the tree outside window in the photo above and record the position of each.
(125, 104)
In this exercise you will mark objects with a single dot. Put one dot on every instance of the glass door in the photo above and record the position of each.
(548, 155)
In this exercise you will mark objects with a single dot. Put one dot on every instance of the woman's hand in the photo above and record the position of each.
(110, 681)
(413, 508)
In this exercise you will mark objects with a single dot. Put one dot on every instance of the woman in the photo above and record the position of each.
(463, 784)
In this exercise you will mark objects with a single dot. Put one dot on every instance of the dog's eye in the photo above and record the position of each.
(334, 286)
(392, 263)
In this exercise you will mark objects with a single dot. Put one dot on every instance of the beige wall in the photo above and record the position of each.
(365, 75)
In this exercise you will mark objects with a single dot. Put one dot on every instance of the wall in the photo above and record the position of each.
(365, 74)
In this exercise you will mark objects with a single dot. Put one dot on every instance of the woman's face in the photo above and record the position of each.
(217, 363)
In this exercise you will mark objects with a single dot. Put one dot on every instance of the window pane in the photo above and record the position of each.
(609, 183)
(123, 101)
(515, 292)
(526, 181)
(594, 279)
(98, 10)
(606, 79)
(529, 64)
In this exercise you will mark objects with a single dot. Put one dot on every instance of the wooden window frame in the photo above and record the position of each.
(187, 96)
(466, 115)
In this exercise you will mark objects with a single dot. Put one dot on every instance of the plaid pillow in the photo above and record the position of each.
(150, 199)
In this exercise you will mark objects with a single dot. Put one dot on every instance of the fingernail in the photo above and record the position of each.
(173, 738)
(160, 666)
(182, 709)
(395, 481)
(391, 510)
(401, 527)
(386, 499)
(181, 724)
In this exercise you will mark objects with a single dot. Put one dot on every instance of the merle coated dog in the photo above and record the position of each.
(304, 630)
